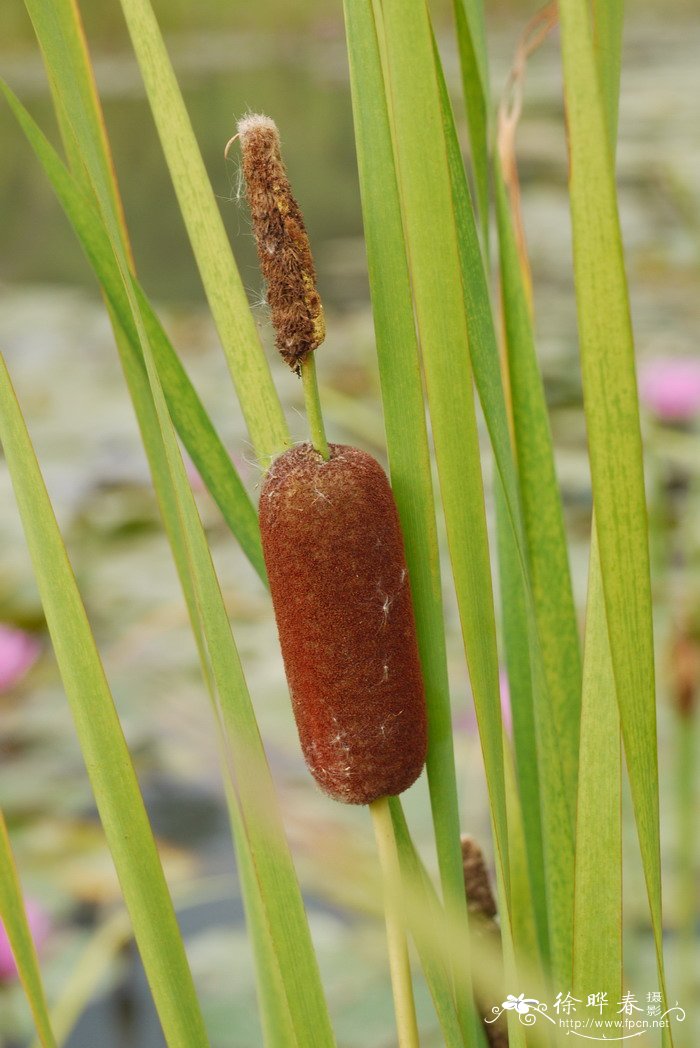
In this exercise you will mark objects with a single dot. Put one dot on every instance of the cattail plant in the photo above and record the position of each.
(335, 560)
(352, 558)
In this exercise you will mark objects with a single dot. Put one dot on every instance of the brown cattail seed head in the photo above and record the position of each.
(339, 584)
(480, 900)
(685, 672)
(482, 913)
(282, 242)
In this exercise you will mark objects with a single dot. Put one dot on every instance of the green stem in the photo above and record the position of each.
(686, 893)
(313, 407)
(395, 916)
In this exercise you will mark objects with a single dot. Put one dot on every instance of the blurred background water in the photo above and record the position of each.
(289, 61)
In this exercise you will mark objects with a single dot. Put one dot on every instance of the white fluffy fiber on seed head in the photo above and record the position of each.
(254, 121)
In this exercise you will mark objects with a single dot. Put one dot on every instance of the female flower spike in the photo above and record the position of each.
(340, 590)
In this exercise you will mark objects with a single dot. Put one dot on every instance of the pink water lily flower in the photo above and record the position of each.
(194, 476)
(18, 653)
(39, 927)
(505, 701)
(670, 387)
(467, 719)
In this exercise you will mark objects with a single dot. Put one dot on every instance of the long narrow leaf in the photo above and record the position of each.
(426, 199)
(529, 954)
(88, 972)
(522, 705)
(275, 1016)
(554, 647)
(541, 501)
(435, 270)
(608, 16)
(612, 417)
(260, 821)
(62, 40)
(106, 755)
(193, 424)
(425, 910)
(263, 836)
(598, 882)
(556, 708)
(61, 37)
(473, 61)
(547, 557)
(260, 824)
(407, 439)
(222, 283)
(261, 891)
(55, 27)
(18, 932)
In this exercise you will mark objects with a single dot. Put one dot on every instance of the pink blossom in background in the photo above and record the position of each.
(18, 653)
(195, 479)
(505, 701)
(670, 387)
(466, 721)
(38, 926)
(194, 476)
(245, 469)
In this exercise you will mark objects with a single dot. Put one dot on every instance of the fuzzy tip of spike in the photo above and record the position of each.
(253, 122)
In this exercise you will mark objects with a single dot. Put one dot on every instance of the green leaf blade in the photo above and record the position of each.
(556, 708)
(406, 434)
(259, 837)
(192, 422)
(473, 60)
(222, 283)
(106, 756)
(612, 418)
(435, 271)
(598, 881)
(433, 252)
(19, 935)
